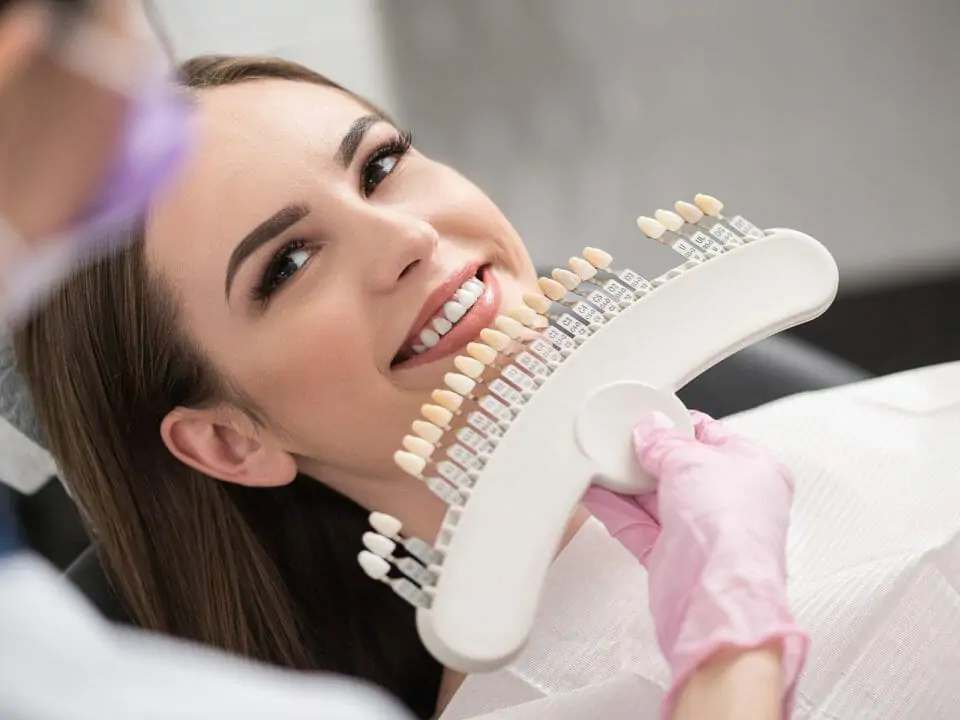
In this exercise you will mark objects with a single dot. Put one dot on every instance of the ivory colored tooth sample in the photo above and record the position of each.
(537, 302)
(418, 446)
(553, 289)
(708, 204)
(510, 327)
(468, 366)
(460, 384)
(494, 338)
(409, 463)
(669, 220)
(566, 278)
(483, 353)
(385, 524)
(653, 229)
(373, 565)
(378, 544)
(447, 399)
(598, 258)
(689, 212)
(437, 415)
(582, 268)
(428, 431)
(528, 317)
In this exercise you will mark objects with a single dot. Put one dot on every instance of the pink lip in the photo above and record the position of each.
(480, 315)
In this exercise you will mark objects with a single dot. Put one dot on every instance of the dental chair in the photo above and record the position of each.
(771, 369)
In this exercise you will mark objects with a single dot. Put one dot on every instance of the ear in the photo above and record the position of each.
(23, 28)
(224, 443)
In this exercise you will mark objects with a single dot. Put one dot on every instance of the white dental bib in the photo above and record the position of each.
(874, 560)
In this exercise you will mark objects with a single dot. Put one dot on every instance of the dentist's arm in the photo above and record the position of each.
(713, 541)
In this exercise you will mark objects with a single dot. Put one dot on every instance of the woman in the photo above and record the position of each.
(280, 324)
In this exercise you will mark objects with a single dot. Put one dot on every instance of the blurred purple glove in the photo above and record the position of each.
(717, 566)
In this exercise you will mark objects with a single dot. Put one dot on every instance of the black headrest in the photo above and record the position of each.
(87, 575)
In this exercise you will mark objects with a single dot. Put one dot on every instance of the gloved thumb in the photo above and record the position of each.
(655, 438)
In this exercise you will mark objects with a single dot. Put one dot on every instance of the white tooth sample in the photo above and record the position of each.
(650, 227)
(527, 317)
(428, 431)
(670, 219)
(378, 544)
(465, 297)
(441, 325)
(385, 524)
(510, 327)
(536, 302)
(495, 339)
(418, 446)
(582, 268)
(468, 366)
(437, 415)
(459, 383)
(428, 337)
(552, 289)
(689, 212)
(474, 285)
(373, 565)
(484, 353)
(447, 399)
(709, 204)
(566, 278)
(419, 349)
(453, 311)
(409, 463)
(598, 258)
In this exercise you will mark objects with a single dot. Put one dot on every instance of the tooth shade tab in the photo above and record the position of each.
(552, 289)
(708, 204)
(536, 302)
(494, 338)
(437, 415)
(566, 278)
(583, 269)
(460, 384)
(484, 353)
(385, 524)
(689, 212)
(373, 565)
(468, 366)
(510, 327)
(650, 227)
(428, 431)
(447, 399)
(527, 317)
(598, 258)
(669, 219)
(379, 545)
(409, 463)
(418, 446)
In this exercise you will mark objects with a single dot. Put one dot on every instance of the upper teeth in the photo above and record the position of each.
(454, 309)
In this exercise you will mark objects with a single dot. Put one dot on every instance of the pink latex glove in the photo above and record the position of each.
(717, 565)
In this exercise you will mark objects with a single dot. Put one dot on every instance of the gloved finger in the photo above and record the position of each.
(624, 519)
(655, 440)
(710, 431)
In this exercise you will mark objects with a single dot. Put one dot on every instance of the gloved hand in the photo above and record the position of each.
(717, 568)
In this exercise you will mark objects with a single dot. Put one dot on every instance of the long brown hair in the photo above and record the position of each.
(267, 573)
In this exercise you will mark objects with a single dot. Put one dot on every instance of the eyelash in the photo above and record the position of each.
(270, 280)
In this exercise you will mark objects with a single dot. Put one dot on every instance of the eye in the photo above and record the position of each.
(382, 162)
(284, 265)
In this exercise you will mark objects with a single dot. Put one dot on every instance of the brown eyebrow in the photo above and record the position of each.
(260, 236)
(351, 141)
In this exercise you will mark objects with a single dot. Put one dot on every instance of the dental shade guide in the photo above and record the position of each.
(545, 404)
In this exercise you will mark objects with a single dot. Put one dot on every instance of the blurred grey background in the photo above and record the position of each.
(836, 117)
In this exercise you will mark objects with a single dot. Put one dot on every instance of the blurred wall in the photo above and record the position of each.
(837, 117)
(341, 38)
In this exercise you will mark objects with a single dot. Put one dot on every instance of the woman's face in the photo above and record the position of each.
(315, 256)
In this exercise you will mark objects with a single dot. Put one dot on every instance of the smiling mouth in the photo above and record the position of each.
(469, 308)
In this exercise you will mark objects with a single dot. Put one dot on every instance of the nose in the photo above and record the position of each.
(402, 243)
